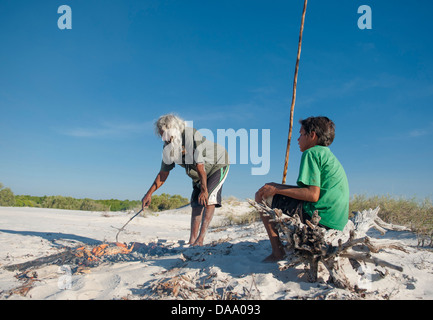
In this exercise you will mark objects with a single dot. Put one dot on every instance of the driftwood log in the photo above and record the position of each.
(310, 245)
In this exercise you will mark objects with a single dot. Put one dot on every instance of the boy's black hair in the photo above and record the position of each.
(322, 126)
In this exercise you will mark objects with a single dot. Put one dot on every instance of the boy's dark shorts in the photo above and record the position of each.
(214, 186)
(290, 207)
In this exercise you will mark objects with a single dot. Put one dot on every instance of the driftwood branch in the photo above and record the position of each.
(310, 244)
(295, 83)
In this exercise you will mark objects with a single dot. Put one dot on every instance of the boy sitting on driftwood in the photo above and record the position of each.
(322, 184)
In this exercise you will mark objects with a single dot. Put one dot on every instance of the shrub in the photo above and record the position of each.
(60, 202)
(167, 202)
(414, 213)
(159, 203)
(7, 197)
(92, 205)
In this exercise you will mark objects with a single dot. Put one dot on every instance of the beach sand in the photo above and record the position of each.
(228, 266)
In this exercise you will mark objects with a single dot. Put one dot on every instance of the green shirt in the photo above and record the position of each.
(319, 167)
(196, 149)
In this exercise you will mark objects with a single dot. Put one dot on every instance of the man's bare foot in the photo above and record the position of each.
(272, 258)
(193, 239)
(197, 243)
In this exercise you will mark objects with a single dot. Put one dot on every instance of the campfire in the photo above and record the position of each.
(82, 259)
(185, 285)
(105, 249)
(92, 256)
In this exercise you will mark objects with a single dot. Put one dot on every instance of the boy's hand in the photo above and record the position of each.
(268, 190)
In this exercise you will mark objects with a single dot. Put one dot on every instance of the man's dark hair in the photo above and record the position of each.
(322, 126)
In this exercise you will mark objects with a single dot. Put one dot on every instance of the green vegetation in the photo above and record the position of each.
(69, 203)
(233, 218)
(159, 203)
(246, 218)
(118, 205)
(7, 198)
(167, 202)
(413, 213)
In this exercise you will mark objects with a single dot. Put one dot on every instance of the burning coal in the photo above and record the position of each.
(81, 259)
(92, 256)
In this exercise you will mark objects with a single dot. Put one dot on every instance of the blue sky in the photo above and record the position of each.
(77, 106)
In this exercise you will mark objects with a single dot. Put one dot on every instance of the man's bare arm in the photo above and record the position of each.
(159, 181)
(204, 195)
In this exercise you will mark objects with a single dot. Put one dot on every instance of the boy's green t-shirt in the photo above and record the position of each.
(319, 167)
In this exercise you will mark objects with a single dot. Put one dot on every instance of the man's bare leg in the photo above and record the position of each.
(196, 218)
(207, 218)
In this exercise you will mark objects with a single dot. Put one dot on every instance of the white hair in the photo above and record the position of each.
(167, 122)
(170, 128)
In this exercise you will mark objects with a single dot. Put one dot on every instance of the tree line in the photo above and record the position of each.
(159, 202)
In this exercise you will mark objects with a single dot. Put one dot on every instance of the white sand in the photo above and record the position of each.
(229, 265)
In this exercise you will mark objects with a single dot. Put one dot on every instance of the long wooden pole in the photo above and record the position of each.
(295, 82)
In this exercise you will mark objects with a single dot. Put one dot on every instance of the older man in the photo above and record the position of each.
(205, 162)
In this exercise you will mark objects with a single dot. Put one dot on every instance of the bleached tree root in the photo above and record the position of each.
(309, 244)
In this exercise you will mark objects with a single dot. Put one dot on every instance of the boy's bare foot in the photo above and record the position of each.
(272, 258)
